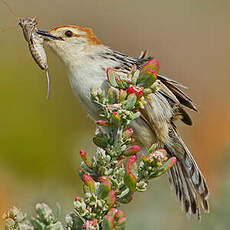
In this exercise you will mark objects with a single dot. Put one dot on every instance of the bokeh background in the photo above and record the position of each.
(40, 140)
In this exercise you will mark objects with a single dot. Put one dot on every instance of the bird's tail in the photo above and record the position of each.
(187, 179)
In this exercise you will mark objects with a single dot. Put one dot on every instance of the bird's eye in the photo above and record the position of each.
(69, 33)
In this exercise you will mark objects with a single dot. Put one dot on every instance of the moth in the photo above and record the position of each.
(35, 43)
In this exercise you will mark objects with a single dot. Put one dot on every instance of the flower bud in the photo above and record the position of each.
(93, 222)
(138, 91)
(116, 118)
(145, 159)
(132, 140)
(133, 149)
(127, 133)
(164, 168)
(88, 180)
(102, 123)
(88, 223)
(76, 198)
(95, 93)
(85, 158)
(160, 155)
(103, 178)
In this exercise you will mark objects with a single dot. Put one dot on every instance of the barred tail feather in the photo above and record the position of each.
(185, 192)
(198, 180)
(187, 179)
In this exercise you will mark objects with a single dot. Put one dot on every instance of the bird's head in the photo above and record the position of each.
(70, 42)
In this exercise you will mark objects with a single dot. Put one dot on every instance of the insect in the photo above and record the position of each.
(35, 43)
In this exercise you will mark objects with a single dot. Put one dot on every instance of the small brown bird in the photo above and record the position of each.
(87, 59)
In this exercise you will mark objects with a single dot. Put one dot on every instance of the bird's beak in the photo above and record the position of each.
(47, 36)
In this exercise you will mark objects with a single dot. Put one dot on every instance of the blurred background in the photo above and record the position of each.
(40, 140)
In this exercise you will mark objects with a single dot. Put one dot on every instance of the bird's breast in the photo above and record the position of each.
(82, 78)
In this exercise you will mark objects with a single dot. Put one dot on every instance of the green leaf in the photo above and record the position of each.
(121, 224)
(119, 214)
(73, 221)
(122, 95)
(112, 212)
(153, 148)
(130, 181)
(111, 97)
(37, 224)
(131, 101)
(110, 199)
(88, 180)
(107, 222)
(127, 198)
(104, 189)
(153, 64)
(101, 141)
(85, 158)
(119, 82)
(45, 213)
(57, 226)
(9, 224)
(116, 119)
(133, 149)
(146, 78)
(111, 76)
(164, 168)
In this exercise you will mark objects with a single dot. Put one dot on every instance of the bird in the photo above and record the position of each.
(86, 60)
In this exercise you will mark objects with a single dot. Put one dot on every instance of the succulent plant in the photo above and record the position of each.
(117, 170)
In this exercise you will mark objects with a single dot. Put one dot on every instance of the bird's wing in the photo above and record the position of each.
(170, 89)
(157, 118)
(173, 86)
(166, 106)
